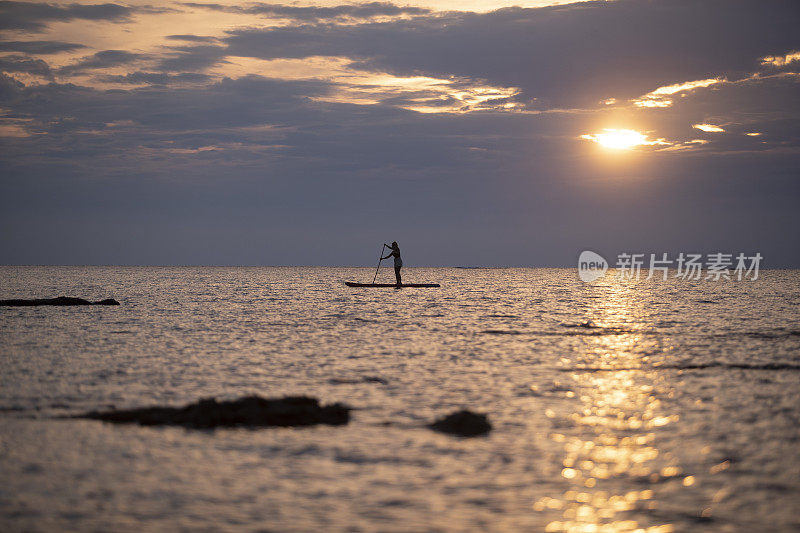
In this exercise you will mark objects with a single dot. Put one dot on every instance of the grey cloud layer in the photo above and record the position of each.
(191, 58)
(192, 38)
(100, 60)
(156, 78)
(316, 13)
(39, 47)
(34, 16)
(565, 55)
(14, 63)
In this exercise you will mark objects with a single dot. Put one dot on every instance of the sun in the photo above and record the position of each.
(616, 139)
(620, 139)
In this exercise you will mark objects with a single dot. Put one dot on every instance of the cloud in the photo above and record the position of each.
(15, 63)
(765, 104)
(192, 58)
(663, 96)
(159, 112)
(709, 128)
(100, 60)
(563, 56)
(9, 88)
(192, 38)
(35, 16)
(317, 13)
(780, 61)
(156, 78)
(39, 47)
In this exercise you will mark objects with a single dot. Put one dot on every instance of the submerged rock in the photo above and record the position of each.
(354, 381)
(252, 411)
(61, 300)
(463, 424)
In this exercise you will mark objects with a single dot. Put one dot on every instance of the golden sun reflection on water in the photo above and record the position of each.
(611, 462)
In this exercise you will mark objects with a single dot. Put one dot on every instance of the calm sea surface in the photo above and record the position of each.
(617, 406)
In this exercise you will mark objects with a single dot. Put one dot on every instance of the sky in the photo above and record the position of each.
(474, 133)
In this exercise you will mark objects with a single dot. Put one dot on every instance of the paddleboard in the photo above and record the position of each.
(418, 285)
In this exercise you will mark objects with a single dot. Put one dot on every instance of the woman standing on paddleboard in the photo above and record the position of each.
(398, 262)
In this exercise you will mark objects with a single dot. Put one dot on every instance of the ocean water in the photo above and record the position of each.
(616, 406)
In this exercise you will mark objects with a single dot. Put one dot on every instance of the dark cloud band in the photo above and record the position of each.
(35, 16)
(316, 13)
(39, 47)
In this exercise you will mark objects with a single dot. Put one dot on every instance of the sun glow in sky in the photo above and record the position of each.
(618, 139)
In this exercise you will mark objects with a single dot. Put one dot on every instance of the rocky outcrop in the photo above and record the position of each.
(61, 300)
(463, 424)
(252, 411)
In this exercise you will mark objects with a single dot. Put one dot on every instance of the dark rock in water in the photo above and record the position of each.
(61, 300)
(354, 381)
(251, 411)
(463, 424)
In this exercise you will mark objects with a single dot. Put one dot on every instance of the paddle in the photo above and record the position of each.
(379, 264)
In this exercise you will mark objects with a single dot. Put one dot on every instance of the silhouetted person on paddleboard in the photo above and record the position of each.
(398, 262)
